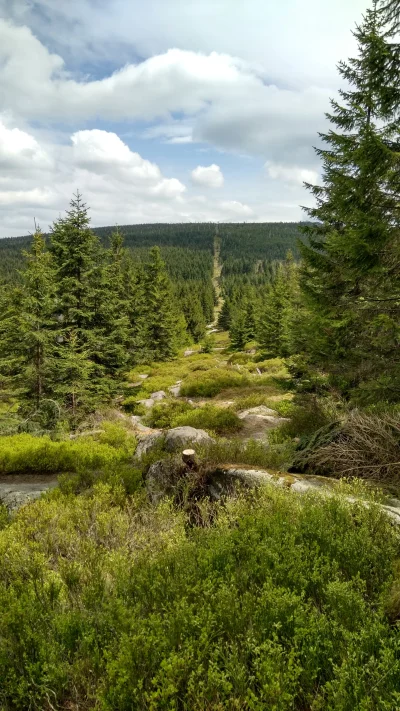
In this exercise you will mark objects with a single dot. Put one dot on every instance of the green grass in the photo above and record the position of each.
(281, 605)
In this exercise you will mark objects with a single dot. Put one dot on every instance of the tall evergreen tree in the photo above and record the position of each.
(111, 323)
(36, 323)
(391, 12)
(162, 320)
(75, 250)
(351, 272)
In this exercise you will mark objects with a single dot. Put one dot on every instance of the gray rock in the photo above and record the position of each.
(147, 403)
(159, 395)
(143, 377)
(180, 437)
(18, 490)
(260, 410)
(175, 390)
(188, 353)
(163, 476)
(148, 442)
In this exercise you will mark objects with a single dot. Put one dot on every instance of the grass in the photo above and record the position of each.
(281, 604)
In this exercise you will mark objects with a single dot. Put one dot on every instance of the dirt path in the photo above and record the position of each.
(217, 269)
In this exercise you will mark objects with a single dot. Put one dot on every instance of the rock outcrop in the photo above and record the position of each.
(180, 437)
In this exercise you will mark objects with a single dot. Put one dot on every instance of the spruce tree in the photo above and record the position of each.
(111, 321)
(76, 250)
(224, 318)
(163, 329)
(351, 273)
(36, 324)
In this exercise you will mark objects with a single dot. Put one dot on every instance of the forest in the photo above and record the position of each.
(200, 443)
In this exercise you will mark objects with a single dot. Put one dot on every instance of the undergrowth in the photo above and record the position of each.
(283, 603)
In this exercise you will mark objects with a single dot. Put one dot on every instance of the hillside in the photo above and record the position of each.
(243, 244)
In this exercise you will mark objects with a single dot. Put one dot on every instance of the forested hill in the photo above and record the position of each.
(242, 245)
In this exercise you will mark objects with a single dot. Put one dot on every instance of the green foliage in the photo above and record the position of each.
(162, 322)
(305, 419)
(212, 382)
(350, 275)
(208, 344)
(278, 605)
(215, 419)
(25, 453)
(164, 414)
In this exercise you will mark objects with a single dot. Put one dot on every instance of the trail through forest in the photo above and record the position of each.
(217, 270)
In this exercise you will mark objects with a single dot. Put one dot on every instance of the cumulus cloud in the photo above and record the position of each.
(291, 173)
(222, 99)
(208, 176)
(20, 152)
(252, 30)
(118, 184)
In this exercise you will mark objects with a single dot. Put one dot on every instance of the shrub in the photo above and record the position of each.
(164, 413)
(272, 366)
(215, 419)
(134, 407)
(305, 419)
(25, 453)
(276, 457)
(114, 605)
(240, 358)
(208, 344)
(212, 382)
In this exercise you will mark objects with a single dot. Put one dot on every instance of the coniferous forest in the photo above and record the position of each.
(200, 442)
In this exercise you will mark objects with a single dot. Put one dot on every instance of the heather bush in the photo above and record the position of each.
(281, 603)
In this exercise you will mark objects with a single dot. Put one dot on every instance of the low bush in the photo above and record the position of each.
(276, 457)
(272, 366)
(25, 453)
(240, 358)
(131, 405)
(163, 414)
(212, 382)
(305, 419)
(214, 419)
(109, 604)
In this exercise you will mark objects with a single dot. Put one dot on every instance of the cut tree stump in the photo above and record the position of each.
(189, 458)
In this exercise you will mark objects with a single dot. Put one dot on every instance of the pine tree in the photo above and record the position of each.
(75, 250)
(81, 295)
(391, 12)
(162, 322)
(28, 330)
(75, 387)
(111, 321)
(224, 318)
(36, 324)
(351, 265)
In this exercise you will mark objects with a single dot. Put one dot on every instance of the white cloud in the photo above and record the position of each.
(222, 99)
(238, 209)
(117, 183)
(291, 173)
(299, 44)
(208, 176)
(20, 152)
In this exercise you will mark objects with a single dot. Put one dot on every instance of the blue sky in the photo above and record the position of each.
(165, 110)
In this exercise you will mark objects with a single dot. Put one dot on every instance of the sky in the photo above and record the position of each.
(165, 110)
